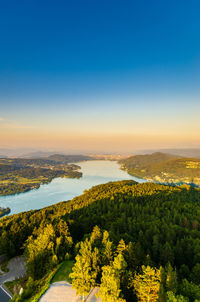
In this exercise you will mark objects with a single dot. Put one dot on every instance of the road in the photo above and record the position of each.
(17, 269)
(4, 297)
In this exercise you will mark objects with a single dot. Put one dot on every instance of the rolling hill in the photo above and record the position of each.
(163, 168)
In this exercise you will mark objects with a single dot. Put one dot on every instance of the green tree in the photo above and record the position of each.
(95, 235)
(121, 247)
(86, 269)
(171, 279)
(172, 298)
(109, 290)
(83, 278)
(190, 290)
(107, 249)
(195, 274)
(147, 284)
(39, 252)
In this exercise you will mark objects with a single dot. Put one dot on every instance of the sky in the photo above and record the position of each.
(99, 76)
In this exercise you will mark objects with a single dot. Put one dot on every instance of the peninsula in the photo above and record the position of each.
(19, 175)
(163, 168)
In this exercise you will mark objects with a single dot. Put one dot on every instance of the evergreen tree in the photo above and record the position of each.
(171, 279)
(83, 277)
(147, 284)
(195, 274)
(86, 268)
(121, 247)
(107, 249)
(172, 298)
(110, 282)
(95, 235)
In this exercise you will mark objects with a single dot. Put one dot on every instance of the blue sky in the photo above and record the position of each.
(99, 71)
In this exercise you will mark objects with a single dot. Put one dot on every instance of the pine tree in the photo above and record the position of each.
(110, 282)
(147, 284)
(83, 277)
(121, 247)
(86, 268)
(172, 298)
(171, 279)
(95, 235)
(107, 250)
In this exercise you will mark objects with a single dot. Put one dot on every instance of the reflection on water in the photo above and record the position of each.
(94, 173)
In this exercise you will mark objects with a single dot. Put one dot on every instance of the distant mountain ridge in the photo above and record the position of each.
(187, 152)
(68, 158)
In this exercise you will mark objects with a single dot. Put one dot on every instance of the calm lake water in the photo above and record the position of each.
(60, 189)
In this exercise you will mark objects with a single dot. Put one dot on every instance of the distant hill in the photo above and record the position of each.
(15, 152)
(37, 154)
(163, 167)
(143, 160)
(186, 152)
(68, 158)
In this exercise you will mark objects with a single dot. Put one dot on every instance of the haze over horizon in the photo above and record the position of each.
(113, 76)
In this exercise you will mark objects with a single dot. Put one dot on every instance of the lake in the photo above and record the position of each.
(61, 189)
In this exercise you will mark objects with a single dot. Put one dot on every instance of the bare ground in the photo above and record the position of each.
(63, 292)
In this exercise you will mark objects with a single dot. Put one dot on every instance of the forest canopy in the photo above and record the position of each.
(158, 224)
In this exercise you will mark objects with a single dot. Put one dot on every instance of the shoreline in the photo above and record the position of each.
(4, 212)
(37, 186)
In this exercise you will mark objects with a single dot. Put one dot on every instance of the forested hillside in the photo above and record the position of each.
(143, 229)
(20, 175)
(163, 168)
(68, 158)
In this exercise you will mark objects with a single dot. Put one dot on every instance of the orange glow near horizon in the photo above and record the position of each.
(118, 128)
(107, 142)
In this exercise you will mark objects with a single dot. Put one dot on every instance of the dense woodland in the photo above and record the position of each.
(20, 175)
(146, 237)
(163, 168)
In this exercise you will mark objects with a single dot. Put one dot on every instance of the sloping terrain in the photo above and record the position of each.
(163, 168)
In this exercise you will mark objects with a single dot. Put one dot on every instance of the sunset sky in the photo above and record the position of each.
(99, 76)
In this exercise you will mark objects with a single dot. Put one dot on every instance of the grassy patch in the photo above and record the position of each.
(63, 272)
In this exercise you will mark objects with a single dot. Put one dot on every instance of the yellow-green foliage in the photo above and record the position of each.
(47, 249)
(110, 290)
(161, 221)
(85, 269)
(147, 284)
